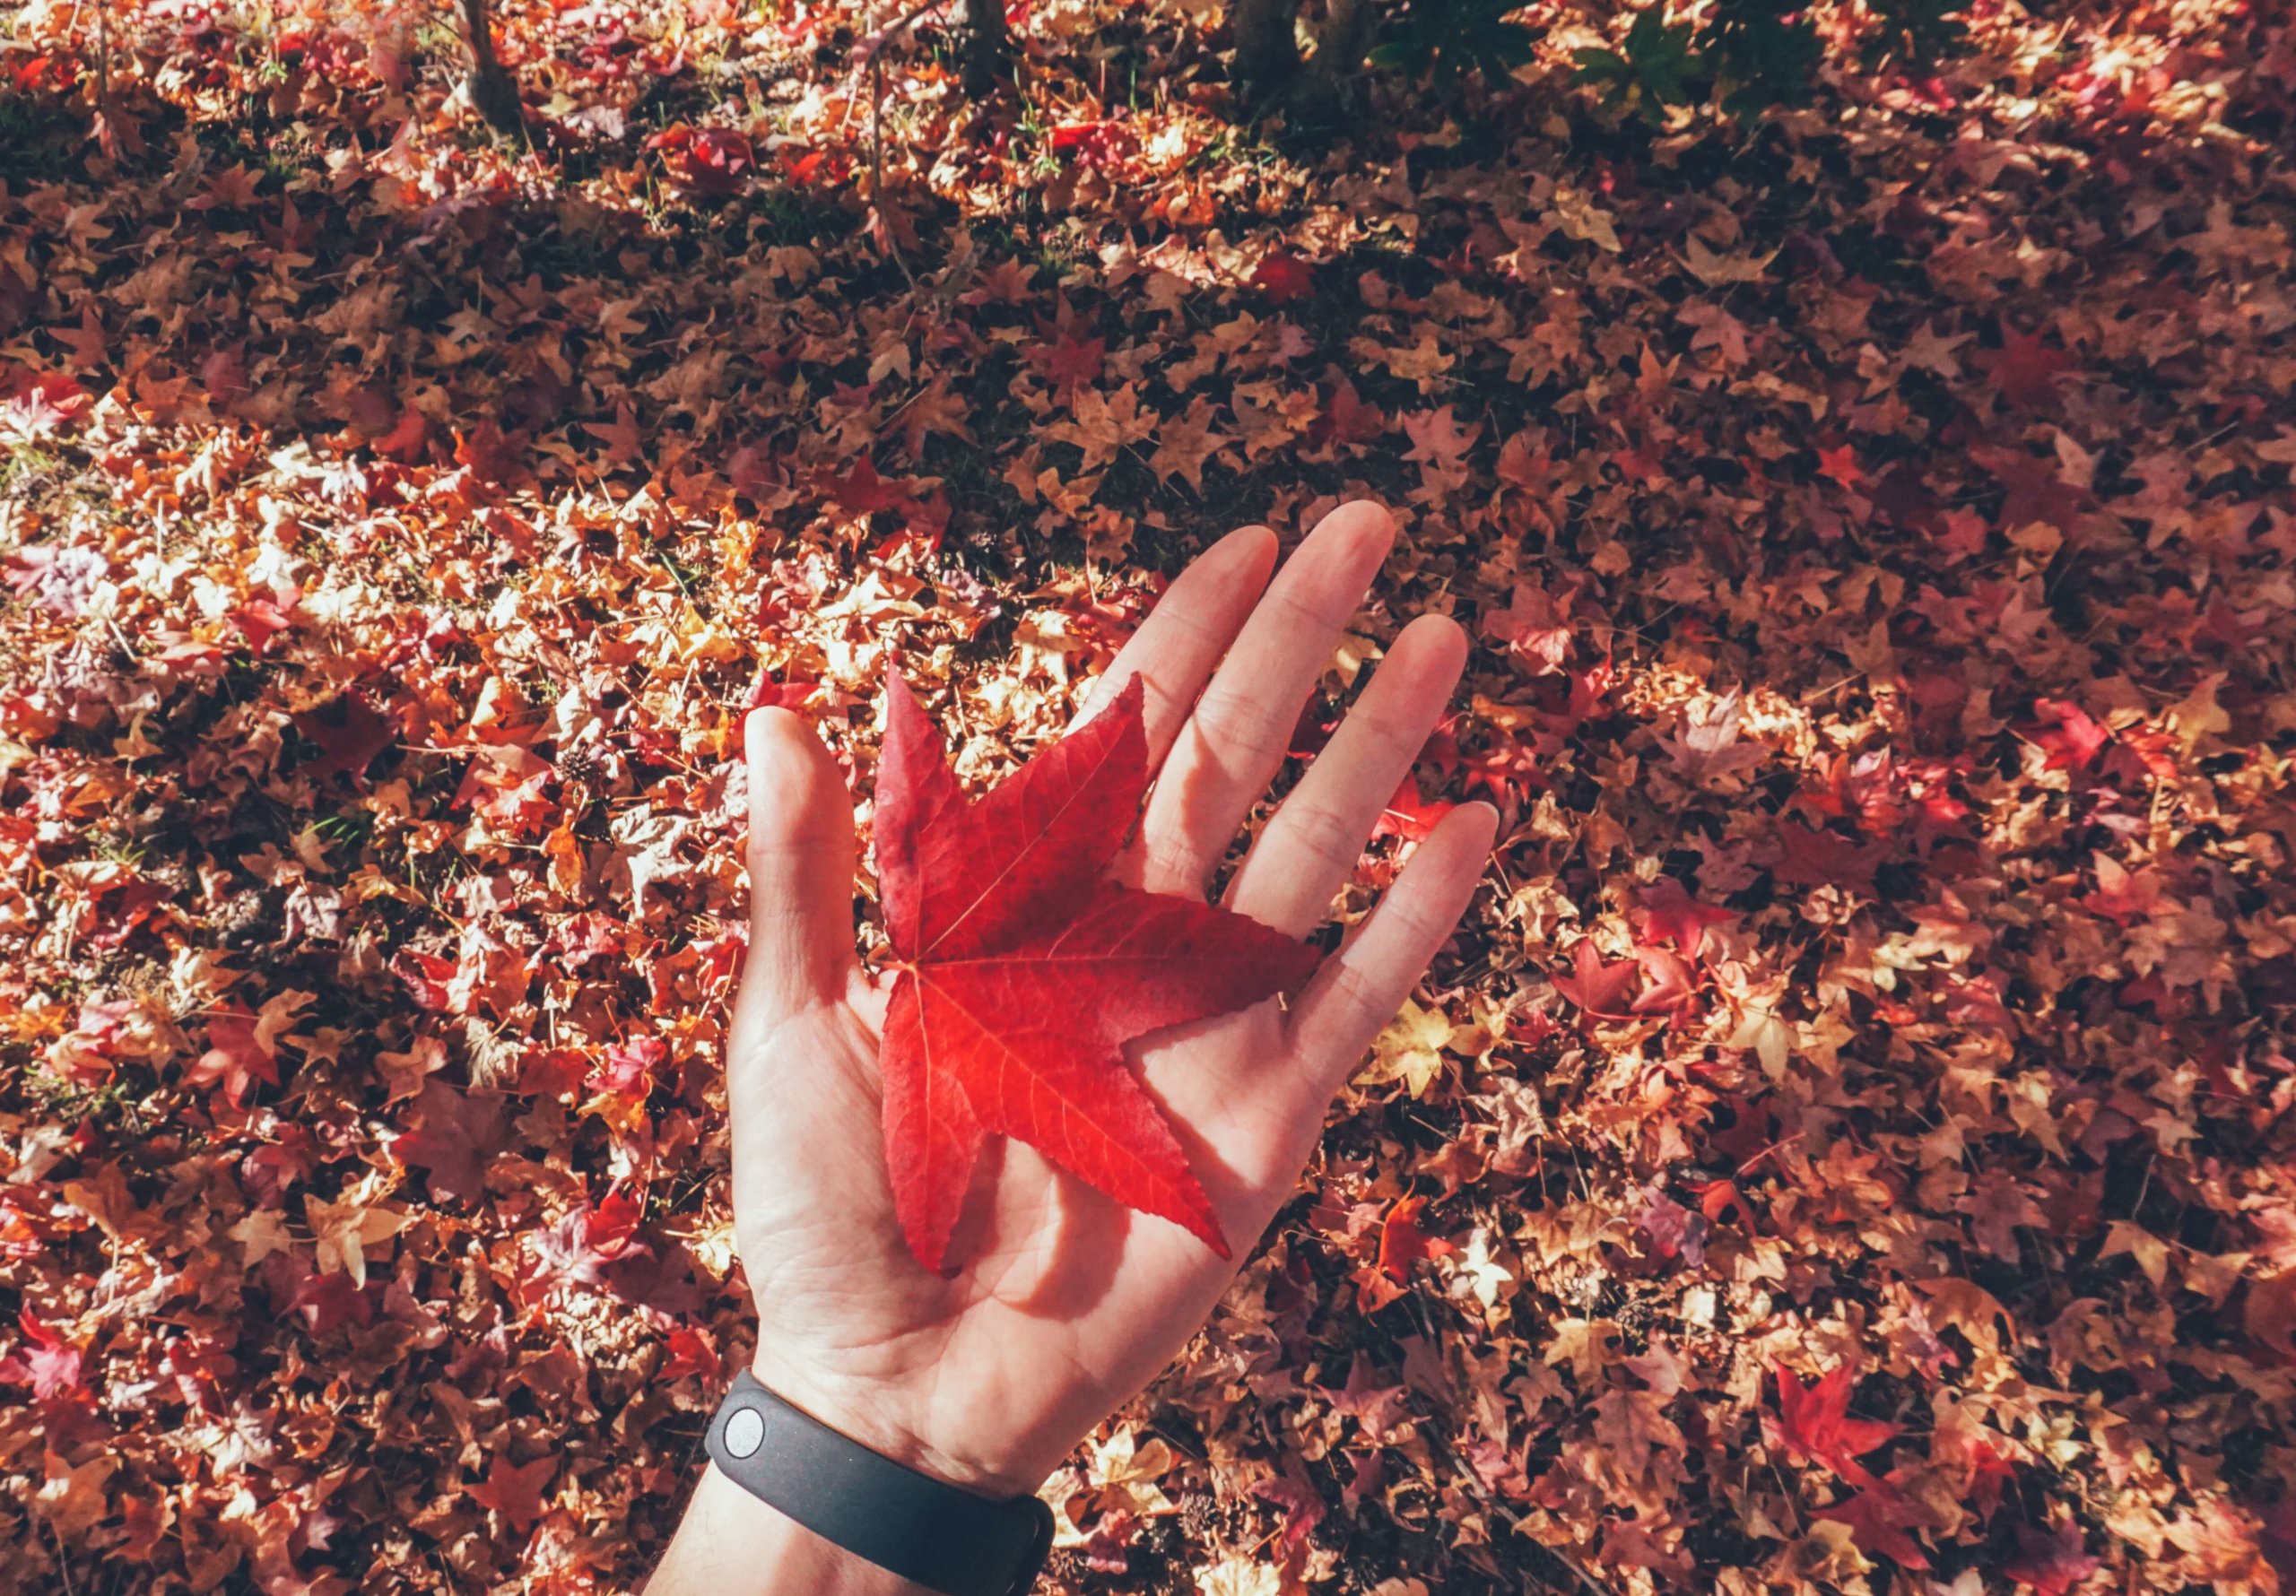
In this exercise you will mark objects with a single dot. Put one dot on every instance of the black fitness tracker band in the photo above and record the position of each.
(907, 1523)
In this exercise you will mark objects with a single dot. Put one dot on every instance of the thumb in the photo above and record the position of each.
(800, 855)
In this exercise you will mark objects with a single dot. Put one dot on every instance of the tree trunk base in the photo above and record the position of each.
(1327, 87)
(987, 48)
(1267, 47)
(492, 91)
(494, 95)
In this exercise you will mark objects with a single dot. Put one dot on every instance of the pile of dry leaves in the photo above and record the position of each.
(1849, 1145)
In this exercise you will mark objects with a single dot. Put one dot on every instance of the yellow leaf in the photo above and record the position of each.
(73, 1500)
(346, 1229)
(2151, 1252)
(2198, 714)
(1410, 1050)
(1239, 1577)
(262, 1233)
(1581, 220)
(1715, 269)
(1770, 1038)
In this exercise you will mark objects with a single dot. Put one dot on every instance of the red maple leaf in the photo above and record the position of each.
(1989, 1471)
(493, 458)
(1095, 144)
(611, 1228)
(1023, 971)
(690, 1352)
(1345, 418)
(629, 1069)
(2050, 1561)
(49, 1363)
(1408, 815)
(1719, 1197)
(453, 1141)
(789, 693)
(403, 441)
(1818, 857)
(122, 906)
(39, 404)
(1284, 278)
(1671, 915)
(712, 160)
(861, 491)
(1437, 440)
(236, 1054)
(349, 734)
(2034, 491)
(261, 619)
(1878, 1518)
(514, 1490)
(1072, 363)
(1594, 985)
(2076, 738)
(580, 1246)
(1669, 983)
(2025, 369)
(1401, 1244)
(1814, 1422)
(329, 1301)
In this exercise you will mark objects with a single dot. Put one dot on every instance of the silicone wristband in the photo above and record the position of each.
(907, 1524)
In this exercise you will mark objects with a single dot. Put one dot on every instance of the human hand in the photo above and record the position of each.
(1067, 1304)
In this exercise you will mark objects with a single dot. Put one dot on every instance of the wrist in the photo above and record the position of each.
(732, 1544)
(891, 1421)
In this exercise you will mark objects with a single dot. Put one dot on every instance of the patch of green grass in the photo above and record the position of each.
(288, 157)
(438, 39)
(26, 466)
(689, 576)
(228, 141)
(782, 215)
(348, 829)
(111, 843)
(118, 1103)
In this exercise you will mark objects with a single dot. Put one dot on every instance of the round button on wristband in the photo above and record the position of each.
(745, 1433)
(907, 1524)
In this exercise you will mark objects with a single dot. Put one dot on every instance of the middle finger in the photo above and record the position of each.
(1231, 748)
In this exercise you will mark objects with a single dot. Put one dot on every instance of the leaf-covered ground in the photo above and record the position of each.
(1849, 1145)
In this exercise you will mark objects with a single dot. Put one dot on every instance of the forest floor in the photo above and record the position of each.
(1849, 1145)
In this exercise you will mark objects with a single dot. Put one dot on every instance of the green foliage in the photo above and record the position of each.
(1751, 55)
(1658, 66)
(1764, 53)
(1438, 40)
(24, 463)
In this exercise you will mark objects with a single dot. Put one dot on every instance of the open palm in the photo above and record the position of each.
(1065, 1304)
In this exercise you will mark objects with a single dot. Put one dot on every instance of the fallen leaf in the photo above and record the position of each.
(1023, 971)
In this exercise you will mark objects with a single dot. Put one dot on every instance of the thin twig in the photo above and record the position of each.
(63, 1557)
(877, 166)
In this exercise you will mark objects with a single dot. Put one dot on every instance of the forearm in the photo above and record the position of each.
(731, 1544)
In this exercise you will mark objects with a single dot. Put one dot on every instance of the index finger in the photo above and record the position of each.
(1187, 633)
